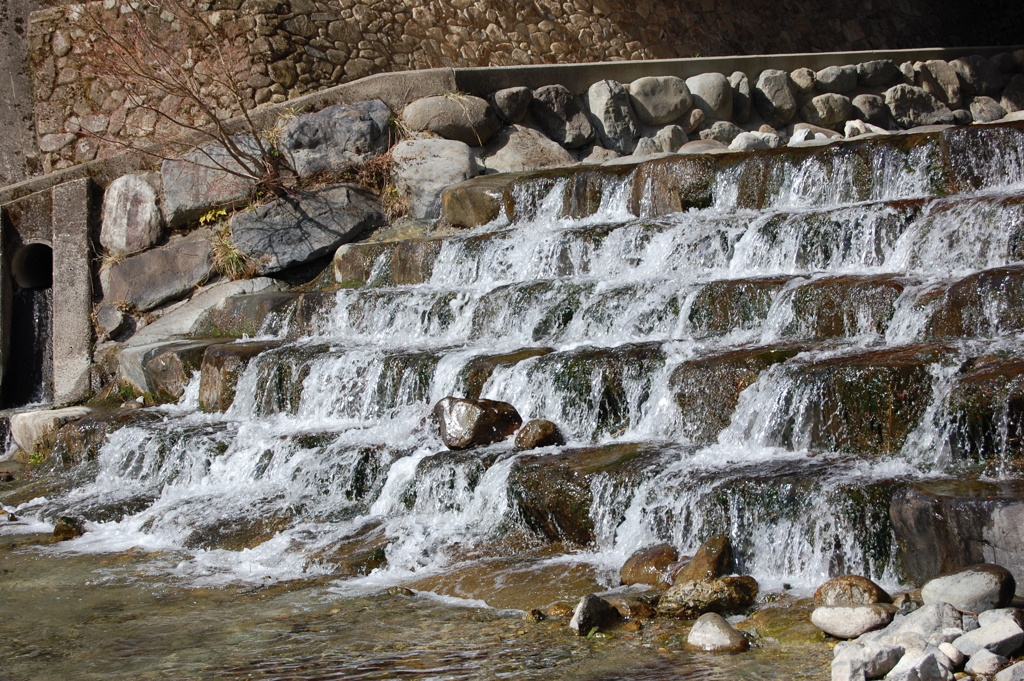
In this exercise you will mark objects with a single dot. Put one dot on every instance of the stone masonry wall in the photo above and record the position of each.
(298, 46)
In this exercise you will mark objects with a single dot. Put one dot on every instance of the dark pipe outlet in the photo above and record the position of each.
(33, 267)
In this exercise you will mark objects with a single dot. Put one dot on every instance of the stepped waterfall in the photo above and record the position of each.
(772, 360)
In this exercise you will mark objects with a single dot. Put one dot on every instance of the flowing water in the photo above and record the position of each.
(772, 364)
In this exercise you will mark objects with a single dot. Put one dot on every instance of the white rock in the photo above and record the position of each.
(973, 589)
(517, 147)
(711, 632)
(985, 663)
(667, 140)
(423, 168)
(30, 428)
(992, 616)
(712, 94)
(953, 654)
(1014, 673)
(131, 216)
(924, 667)
(751, 141)
(856, 128)
(864, 661)
(612, 116)
(1002, 637)
(925, 621)
(850, 621)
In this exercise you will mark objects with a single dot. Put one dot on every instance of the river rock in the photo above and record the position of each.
(923, 623)
(304, 227)
(802, 80)
(423, 168)
(1013, 94)
(474, 423)
(561, 118)
(465, 118)
(1015, 615)
(741, 102)
(612, 116)
(1003, 637)
(207, 178)
(703, 147)
(68, 527)
(146, 280)
(593, 611)
(511, 104)
(131, 216)
(754, 141)
(666, 140)
(336, 138)
(851, 621)
(973, 589)
(1014, 673)
(912, 107)
(648, 566)
(721, 131)
(713, 559)
(689, 600)
(923, 667)
(952, 653)
(659, 100)
(985, 663)
(828, 110)
(712, 94)
(878, 73)
(836, 79)
(712, 633)
(632, 608)
(986, 110)
(855, 661)
(34, 430)
(774, 99)
(871, 109)
(962, 117)
(978, 76)
(816, 131)
(538, 433)
(938, 79)
(850, 590)
(694, 120)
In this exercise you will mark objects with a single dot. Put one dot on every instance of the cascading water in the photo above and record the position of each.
(774, 363)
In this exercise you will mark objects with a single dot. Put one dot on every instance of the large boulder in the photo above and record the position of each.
(612, 115)
(131, 216)
(459, 117)
(32, 430)
(828, 110)
(878, 73)
(774, 98)
(712, 560)
(147, 280)
(1012, 673)
(1002, 637)
(912, 107)
(836, 79)
(211, 177)
(856, 660)
(561, 117)
(473, 423)
(984, 664)
(851, 621)
(973, 589)
(1013, 94)
(337, 138)
(667, 140)
(871, 109)
(511, 104)
(517, 147)
(689, 600)
(658, 100)
(423, 168)
(712, 94)
(978, 76)
(304, 227)
(926, 666)
(648, 565)
(593, 612)
(712, 633)
(850, 590)
(937, 78)
(985, 109)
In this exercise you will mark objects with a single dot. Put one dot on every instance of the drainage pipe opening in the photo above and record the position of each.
(32, 267)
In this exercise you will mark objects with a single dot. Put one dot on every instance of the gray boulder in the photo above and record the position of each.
(721, 131)
(856, 661)
(923, 667)
(1013, 94)
(511, 104)
(666, 140)
(828, 110)
(871, 109)
(1014, 673)
(802, 81)
(612, 116)
(973, 589)
(712, 94)
(712, 633)
(459, 117)
(423, 168)
(690, 599)
(978, 76)
(517, 147)
(938, 79)
(962, 117)
(843, 621)
(922, 623)
(755, 141)
(304, 227)
(774, 99)
(337, 138)
(561, 117)
(912, 107)
(149, 279)
(658, 100)
(985, 109)
(850, 590)
(985, 663)
(593, 612)
(741, 103)
(1003, 637)
(211, 177)
(473, 423)
(878, 73)
(837, 79)
(131, 216)
(1016, 615)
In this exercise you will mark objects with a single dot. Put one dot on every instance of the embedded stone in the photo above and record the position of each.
(337, 138)
(538, 433)
(1013, 673)
(648, 566)
(131, 216)
(721, 131)
(877, 73)
(912, 107)
(612, 116)
(828, 110)
(741, 103)
(1013, 94)
(1003, 637)
(68, 527)
(850, 590)
(475, 423)
(802, 80)
(856, 661)
(459, 117)
(938, 79)
(511, 104)
(689, 600)
(593, 612)
(978, 76)
(149, 279)
(774, 99)
(713, 559)
(922, 667)
(985, 663)
(561, 117)
(666, 140)
(712, 633)
(973, 589)
(986, 110)
(424, 168)
(991, 616)
(851, 621)
(712, 94)
(658, 100)
(836, 79)
(871, 109)
(213, 177)
(754, 141)
(694, 120)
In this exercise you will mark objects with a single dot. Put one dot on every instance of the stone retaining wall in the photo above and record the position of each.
(294, 47)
